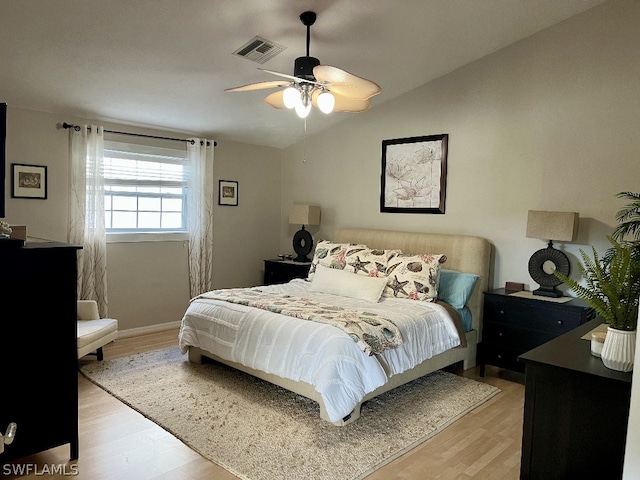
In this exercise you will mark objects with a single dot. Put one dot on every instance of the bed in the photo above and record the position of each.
(333, 366)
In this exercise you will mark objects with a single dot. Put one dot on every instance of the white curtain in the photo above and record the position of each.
(200, 214)
(86, 212)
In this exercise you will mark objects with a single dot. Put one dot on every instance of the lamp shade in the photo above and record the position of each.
(302, 214)
(558, 226)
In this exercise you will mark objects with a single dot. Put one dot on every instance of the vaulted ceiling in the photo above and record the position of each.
(166, 63)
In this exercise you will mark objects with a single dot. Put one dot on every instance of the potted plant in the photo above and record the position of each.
(612, 286)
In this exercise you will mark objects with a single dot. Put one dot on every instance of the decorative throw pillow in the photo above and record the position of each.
(341, 282)
(414, 276)
(369, 262)
(333, 255)
(455, 288)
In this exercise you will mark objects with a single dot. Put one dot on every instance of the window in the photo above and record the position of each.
(145, 189)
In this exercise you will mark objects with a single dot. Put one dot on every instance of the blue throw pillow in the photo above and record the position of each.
(455, 288)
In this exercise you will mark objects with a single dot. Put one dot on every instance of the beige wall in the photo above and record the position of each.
(148, 282)
(550, 123)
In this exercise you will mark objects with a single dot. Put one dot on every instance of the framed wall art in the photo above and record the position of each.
(414, 174)
(28, 181)
(228, 193)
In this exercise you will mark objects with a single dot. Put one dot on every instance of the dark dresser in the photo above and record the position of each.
(38, 351)
(513, 325)
(575, 412)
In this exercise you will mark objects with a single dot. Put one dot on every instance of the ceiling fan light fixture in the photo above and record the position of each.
(326, 101)
(303, 106)
(291, 97)
(303, 110)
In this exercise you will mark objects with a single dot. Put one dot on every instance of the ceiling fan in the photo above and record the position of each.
(327, 88)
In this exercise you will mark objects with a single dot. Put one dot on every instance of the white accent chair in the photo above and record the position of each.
(94, 332)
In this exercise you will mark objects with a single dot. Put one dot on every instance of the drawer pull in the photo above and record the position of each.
(499, 357)
(559, 322)
(501, 312)
(500, 334)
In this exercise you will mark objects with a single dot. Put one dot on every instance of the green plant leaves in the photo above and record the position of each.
(611, 288)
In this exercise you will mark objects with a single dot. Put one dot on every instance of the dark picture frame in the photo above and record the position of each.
(414, 174)
(28, 181)
(228, 193)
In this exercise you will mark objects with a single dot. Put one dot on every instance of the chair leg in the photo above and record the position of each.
(99, 354)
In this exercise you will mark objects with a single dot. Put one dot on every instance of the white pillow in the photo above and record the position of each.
(347, 284)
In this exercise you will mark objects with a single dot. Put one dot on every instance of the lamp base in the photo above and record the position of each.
(302, 245)
(542, 266)
(548, 292)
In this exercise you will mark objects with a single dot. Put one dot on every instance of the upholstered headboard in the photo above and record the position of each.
(465, 253)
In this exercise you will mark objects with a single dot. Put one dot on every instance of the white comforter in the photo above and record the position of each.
(316, 353)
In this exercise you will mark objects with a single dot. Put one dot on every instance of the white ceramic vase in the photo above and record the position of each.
(619, 349)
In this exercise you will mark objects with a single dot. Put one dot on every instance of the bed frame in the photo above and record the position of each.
(464, 253)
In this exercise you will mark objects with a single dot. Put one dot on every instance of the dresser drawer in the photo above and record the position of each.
(518, 338)
(500, 356)
(533, 317)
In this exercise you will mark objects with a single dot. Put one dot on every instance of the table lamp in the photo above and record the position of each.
(302, 214)
(550, 226)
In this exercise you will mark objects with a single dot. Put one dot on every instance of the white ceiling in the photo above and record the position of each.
(165, 63)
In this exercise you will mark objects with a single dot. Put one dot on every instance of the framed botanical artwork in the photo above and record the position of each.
(414, 174)
(28, 181)
(228, 193)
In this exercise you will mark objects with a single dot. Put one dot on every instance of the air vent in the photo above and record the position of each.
(259, 50)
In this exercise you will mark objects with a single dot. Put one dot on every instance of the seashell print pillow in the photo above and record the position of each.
(369, 261)
(351, 257)
(333, 255)
(414, 276)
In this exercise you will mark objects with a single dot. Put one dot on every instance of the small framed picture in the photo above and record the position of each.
(28, 181)
(228, 193)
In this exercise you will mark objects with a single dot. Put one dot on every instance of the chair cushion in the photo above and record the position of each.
(91, 330)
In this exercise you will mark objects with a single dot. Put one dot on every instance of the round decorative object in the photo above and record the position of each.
(544, 262)
(302, 245)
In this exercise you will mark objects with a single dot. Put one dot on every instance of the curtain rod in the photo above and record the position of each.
(77, 129)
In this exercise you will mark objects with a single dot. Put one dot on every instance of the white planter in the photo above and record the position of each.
(619, 349)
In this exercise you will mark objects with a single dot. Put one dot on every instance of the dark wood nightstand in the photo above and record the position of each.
(281, 271)
(513, 325)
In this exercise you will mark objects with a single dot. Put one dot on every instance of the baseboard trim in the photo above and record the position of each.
(134, 332)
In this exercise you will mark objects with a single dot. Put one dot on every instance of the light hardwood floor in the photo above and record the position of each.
(117, 443)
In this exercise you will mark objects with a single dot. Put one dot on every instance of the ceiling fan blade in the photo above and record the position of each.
(275, 99)
(258, 86)
(291, 77)
(345, 83)
(344, 103)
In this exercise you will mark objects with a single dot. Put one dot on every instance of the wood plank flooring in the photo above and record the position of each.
(117, 443)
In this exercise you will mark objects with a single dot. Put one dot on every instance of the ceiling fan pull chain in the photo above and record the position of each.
(304, 144)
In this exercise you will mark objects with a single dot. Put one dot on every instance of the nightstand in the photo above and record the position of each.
(513, 325)
(281, 271)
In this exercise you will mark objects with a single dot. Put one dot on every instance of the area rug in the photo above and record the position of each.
(259, 431)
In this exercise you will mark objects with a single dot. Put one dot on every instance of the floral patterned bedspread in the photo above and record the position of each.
(372, 332)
